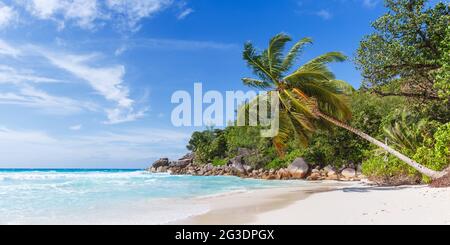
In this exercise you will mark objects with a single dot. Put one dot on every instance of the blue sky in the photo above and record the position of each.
(87, 83)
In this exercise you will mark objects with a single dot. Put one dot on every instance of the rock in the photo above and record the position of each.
(161, 162)
(188, 157)
(315, 170)
(329, 170)
(162, 169)
(349, 173)
(272, 177)
(237, 164)
(298, 168)
(359, 170)
(248, 168)
(209, 167)
(244, 152)
(314, 176)
(332, 177)
(283, 174)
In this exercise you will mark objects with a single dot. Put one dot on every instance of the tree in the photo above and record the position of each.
(443, 75)
(310, 97)
(404, 54)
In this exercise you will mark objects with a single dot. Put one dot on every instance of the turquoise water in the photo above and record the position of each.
(108, 196)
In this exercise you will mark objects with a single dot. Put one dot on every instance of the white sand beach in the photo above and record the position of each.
(335, 203)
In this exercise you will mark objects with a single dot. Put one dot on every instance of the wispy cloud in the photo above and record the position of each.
(136, 147)
(179, 44)
(131, 12)
(185, 13)
(31, 97)
(76, 127)
(8, 50)
(7, 15)
(119, 51)
(105, 80)
(370, 3)
(82, 12)
(12, 75)
(9, 135)
(90, 14)
(324, 14)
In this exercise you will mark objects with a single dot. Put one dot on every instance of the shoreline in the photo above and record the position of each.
(329, 203)
(246, 206)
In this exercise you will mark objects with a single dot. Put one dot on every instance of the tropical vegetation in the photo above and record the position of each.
(396, 125)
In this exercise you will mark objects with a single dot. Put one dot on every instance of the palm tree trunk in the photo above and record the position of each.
(422, 169)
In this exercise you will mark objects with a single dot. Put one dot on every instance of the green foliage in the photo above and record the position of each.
(384, 167)
(278, 163)
(219, 162)
(435, 154)
(340, 147)
(405, 134)
(208, 145)
(402, 55)
(245, 137)
(443, 75)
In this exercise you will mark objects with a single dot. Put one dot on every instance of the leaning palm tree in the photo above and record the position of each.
(310, 97)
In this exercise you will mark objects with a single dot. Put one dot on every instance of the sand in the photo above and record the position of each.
(334, 203)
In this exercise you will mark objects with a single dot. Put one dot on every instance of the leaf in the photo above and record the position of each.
(294, 52)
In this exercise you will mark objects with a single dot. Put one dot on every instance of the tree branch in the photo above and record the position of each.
(404, 94)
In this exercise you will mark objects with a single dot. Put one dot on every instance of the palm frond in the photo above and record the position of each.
(274, 53)
(344, 87)
(255, 62)
(300, 105)
(255, 83)
(327, 58)
(328, 98)
(294, 52)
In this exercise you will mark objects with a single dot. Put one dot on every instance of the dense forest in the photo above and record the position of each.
(403, 101)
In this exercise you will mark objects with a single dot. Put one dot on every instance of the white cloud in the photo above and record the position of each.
(9, 74)
(82, 12)
(31, 97)
(8, 135)
(370, 3)
(106, 80)
(133, 11)
(8, 50)
(178, 44)
(324, 14)
(185, 13)
(7, 15)
(119, 51)
(76, 127)
(123, 115)
(137, 147)
(90, 13)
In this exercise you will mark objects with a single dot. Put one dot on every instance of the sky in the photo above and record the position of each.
(88, 83)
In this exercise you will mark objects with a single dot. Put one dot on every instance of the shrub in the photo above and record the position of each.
(435, 154)
(278, 163)
(389, 170)
(219, 162)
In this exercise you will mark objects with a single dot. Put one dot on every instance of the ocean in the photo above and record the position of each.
(109, 196)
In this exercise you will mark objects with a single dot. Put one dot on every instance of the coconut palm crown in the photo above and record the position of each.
(302, 92)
